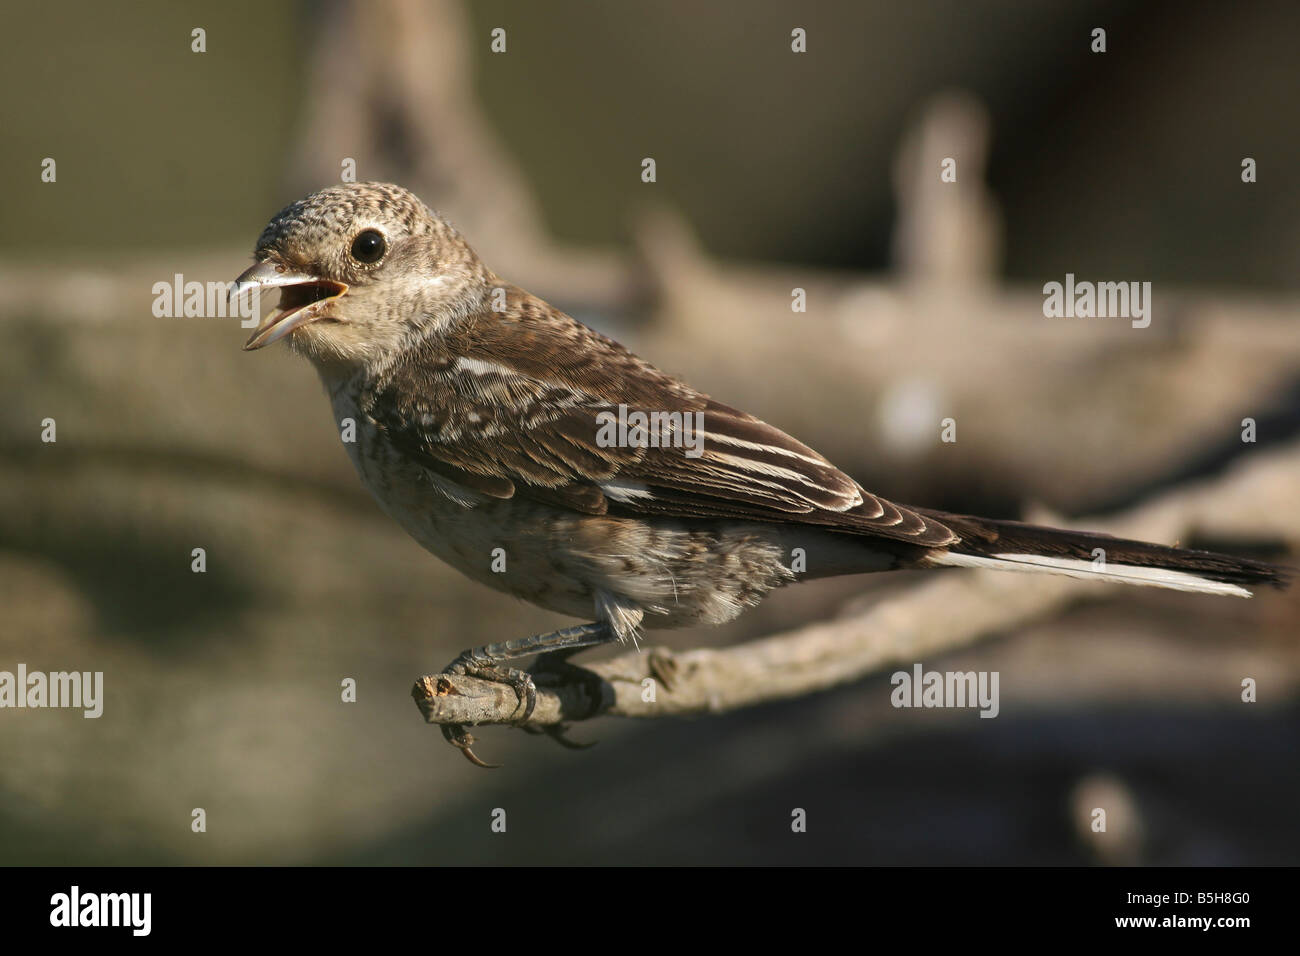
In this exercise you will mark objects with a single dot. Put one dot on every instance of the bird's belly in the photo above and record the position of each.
(501, 544)
(679, 574)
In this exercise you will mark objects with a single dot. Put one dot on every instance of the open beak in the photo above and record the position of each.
(303, 299)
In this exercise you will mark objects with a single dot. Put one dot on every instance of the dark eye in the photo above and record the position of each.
(369, 246)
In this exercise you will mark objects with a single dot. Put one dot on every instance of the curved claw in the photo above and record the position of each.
(462, 740)
(528, 695)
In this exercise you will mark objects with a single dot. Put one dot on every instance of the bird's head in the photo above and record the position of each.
(362, 269)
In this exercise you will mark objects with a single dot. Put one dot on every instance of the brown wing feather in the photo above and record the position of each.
(513, 405)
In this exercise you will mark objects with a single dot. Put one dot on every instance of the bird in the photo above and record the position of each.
(547, 461)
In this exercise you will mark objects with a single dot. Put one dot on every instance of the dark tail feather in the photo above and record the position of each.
(1014, 546)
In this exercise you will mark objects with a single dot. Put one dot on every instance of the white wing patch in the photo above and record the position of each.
(479, 367)
(625, 492)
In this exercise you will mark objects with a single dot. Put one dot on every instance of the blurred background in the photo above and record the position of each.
(775, 170)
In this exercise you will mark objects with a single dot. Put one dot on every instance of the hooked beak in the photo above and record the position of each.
(303, 299)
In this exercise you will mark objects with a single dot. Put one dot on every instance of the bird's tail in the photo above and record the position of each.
(1014, 546)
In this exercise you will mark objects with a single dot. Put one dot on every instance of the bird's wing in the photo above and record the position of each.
(530, 402)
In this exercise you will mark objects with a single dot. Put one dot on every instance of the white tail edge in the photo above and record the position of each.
(1091, 571)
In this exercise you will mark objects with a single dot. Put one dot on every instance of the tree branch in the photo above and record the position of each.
(1254, 500)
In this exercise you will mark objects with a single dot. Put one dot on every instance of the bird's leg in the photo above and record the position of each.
(488, 662)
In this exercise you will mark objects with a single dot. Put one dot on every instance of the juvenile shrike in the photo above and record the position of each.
(487, 419)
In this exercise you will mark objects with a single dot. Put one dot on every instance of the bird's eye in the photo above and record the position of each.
(369, 246)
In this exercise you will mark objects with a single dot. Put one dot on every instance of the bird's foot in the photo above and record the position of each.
(489, 663)
(524, 689)
(521, 681)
